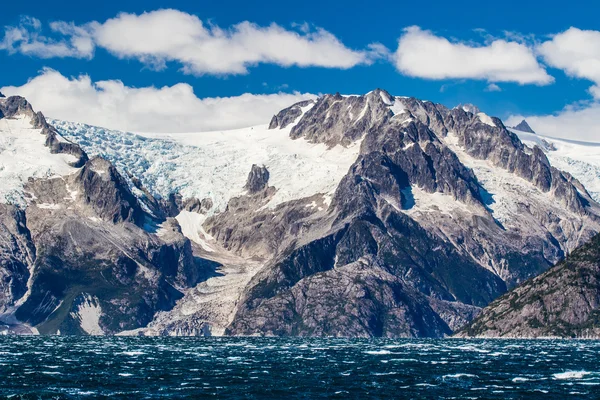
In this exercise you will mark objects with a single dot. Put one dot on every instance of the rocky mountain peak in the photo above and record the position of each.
(523, 126)
(14, 106)
(470, 108)
(342, 120)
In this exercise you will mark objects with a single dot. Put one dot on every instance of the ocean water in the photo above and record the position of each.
(236, 368)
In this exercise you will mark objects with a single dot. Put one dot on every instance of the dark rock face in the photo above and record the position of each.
(107, 193)
(385, 248)
(562, 302)
(17, 253)
(258, 179)
(2, 95)
(523, 126)
(357, 300)
(16, 105)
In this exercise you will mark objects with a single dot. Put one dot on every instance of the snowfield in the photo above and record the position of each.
(216, 164)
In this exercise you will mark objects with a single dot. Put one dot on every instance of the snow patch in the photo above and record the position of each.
(385, 98)
(191, 227)
(88, 313)
(49, 206)
(486, 119)
(438, 202)
(397, 108)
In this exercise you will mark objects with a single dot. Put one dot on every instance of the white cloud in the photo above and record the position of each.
(492, 87)
(577, 52)
(575, 122)
(27, 39)
(422, 54)
(168, 35)
(176, 108)
(171, 35)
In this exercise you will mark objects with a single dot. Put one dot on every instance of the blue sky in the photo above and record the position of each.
(355, 25)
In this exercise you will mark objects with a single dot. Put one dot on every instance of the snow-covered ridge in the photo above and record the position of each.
(216, 164)
(582, 160)
(23, 154)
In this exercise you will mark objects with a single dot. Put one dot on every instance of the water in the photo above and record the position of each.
(75, 367)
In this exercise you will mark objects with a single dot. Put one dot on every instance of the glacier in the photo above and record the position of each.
(216, 164)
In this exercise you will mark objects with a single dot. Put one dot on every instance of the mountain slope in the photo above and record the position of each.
(562, 302)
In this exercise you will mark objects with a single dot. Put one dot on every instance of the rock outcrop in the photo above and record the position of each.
(258, 179)
(17, 254)
(288, 115)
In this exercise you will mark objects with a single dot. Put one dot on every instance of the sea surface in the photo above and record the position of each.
(255, 368)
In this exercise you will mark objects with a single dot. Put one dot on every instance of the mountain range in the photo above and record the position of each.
(362, 216)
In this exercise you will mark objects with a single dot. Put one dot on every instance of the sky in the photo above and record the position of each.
(182, 66)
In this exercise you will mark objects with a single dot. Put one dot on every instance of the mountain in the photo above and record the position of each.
(562, 302)
(79, 253)
(523, 126)
(360, 216)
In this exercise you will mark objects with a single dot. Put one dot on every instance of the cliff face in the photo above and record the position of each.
(562, 302)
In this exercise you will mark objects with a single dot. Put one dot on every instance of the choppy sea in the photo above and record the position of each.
(256, 368)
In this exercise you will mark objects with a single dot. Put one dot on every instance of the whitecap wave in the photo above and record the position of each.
(571, 375)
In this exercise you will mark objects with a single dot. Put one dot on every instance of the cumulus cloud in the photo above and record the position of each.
(422, 54)
(168, 35)
(27, 38)
(176, 108)
(575, 122)
(577, 52)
